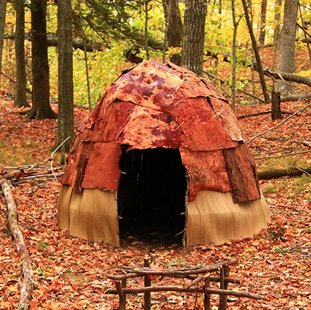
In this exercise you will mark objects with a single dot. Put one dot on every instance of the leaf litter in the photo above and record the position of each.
(71, 273)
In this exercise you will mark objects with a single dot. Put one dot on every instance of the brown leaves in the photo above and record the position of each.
(71, 273)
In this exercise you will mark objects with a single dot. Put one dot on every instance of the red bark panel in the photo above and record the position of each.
(151, 129)
(110, 123)
(102, 170)
(224, 111)
(162, 105)
(193, 87)
(206, 171)
(242, 174)
(202, 130)
(78, 153)
(150, 84)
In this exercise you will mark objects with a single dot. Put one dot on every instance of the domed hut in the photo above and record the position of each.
(161, 147)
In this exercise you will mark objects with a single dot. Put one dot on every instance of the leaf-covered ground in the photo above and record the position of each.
(70, 273)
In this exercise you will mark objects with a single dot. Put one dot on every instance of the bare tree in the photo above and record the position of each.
(255, 49)
(233, 53)
(277, 19)
(3, 4)
(173, 31)
(287, 43)
(263, 15)
(65, 75)
(20, 99)
(40, 67)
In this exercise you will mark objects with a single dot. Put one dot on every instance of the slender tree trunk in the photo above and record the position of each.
(304, 27)
(86, 62)
(40, 67)
(287, 43)
(255, 49)
(263, 15)
(174, 31)
(65, 75)
(277, 19)
(233, 53)
(20, 99)
(193, 41)
(146, 28)
(3, 4)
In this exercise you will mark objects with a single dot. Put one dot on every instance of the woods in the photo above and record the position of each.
(173, 156)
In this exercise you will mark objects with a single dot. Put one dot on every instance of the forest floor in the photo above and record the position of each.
(70, 273)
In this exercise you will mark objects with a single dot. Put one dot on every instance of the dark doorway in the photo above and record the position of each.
(151, 195)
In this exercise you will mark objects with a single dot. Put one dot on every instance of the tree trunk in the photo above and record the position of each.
(65, 75)
(276, 105)
(40, 67)
(255, 49)
(233, 53)
(193, 41)
(2, 28)
(174, 31)
(263, 15)
(20, 99)
(277, 19)
(287, 43)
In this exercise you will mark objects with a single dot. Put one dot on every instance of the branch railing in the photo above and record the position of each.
(200, 279)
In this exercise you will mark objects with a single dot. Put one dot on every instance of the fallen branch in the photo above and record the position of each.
(279, 124)
(286, 76)
(260, 113)
(278, 173)
(27, 281)
(295, 97)
(179, 272)
(182, 289)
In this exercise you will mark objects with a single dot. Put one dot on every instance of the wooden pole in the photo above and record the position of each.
(147, 282)
(122, 298)
(207, 297)
(224, 272)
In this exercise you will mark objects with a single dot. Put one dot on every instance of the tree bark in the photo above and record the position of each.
(277, 19)
(27, 281)
(263, 15)
(287, 43)
(276, 105)
(20, 99)
(174, 30)
(40, 67)
(65, 76)
(193, 40)
(3, 4)
(233, 53)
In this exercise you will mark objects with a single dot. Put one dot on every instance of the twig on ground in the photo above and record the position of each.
(281, 123)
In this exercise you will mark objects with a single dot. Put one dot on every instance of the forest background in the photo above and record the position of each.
(108, 37)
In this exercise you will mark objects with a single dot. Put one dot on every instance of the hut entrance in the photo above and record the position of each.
(151, 194)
